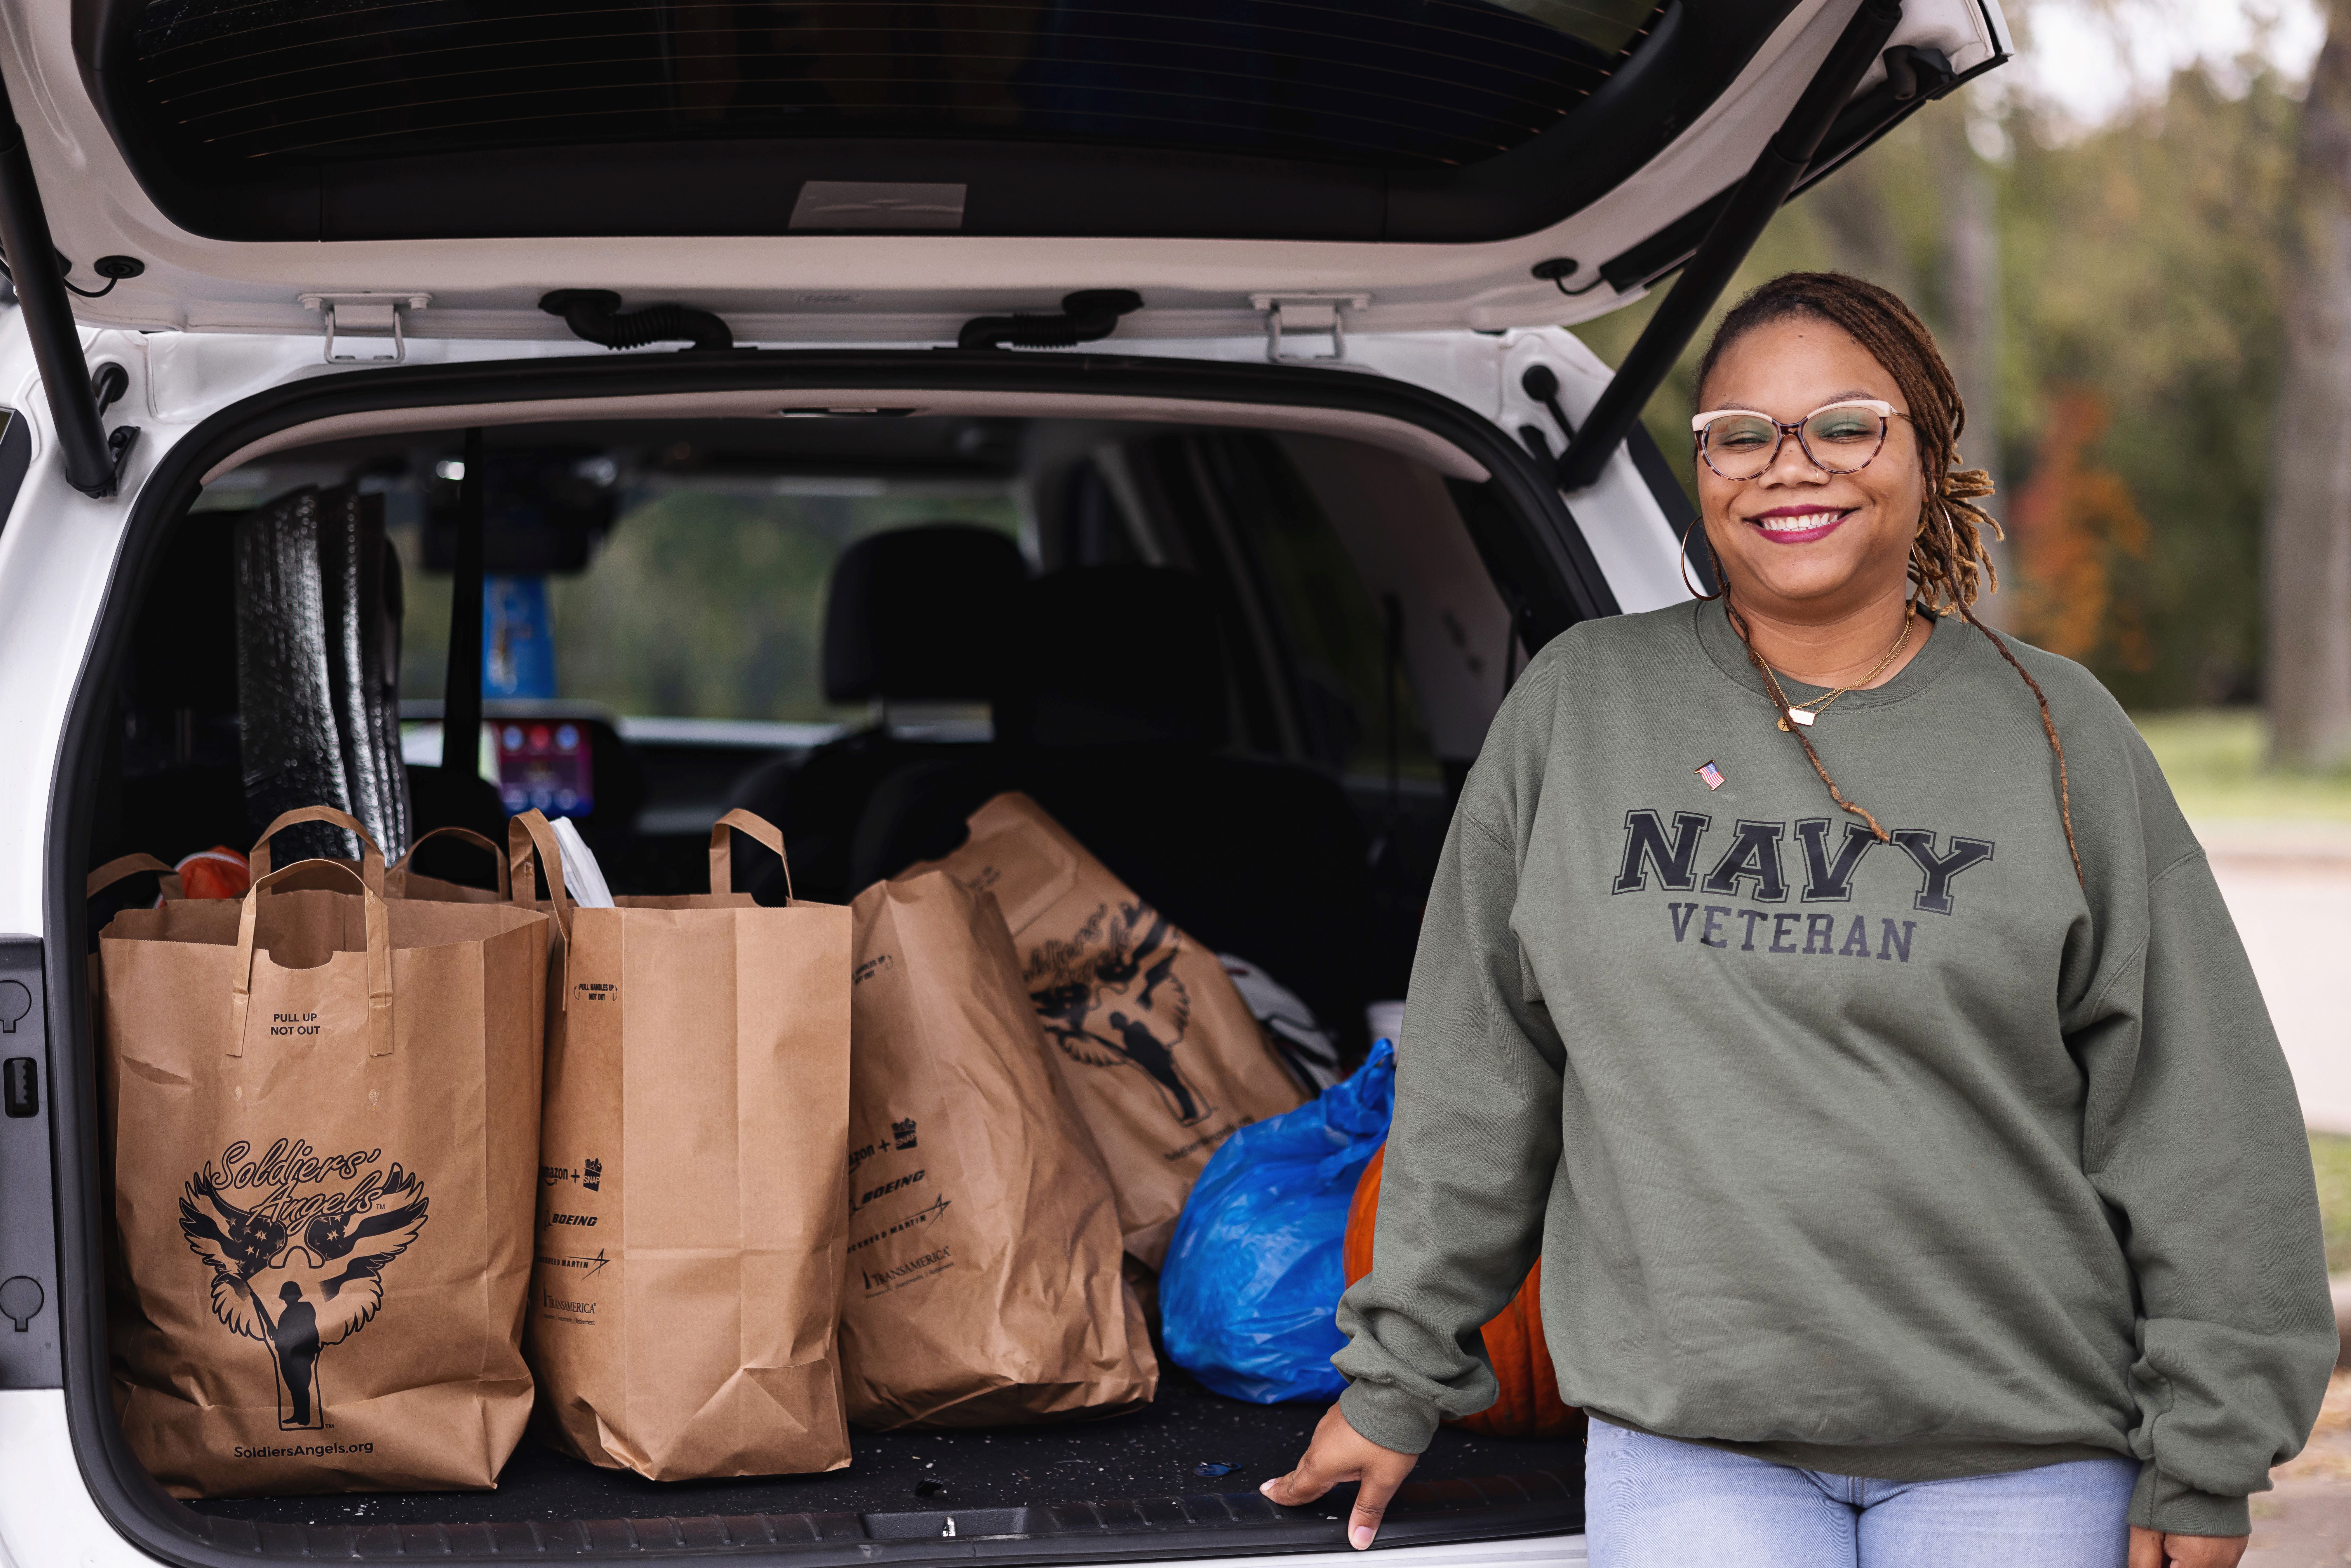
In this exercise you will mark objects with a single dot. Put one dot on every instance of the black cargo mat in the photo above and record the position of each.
(1189, 1444)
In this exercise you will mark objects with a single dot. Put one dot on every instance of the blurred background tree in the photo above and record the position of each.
(2309, 539)
(2110, 298)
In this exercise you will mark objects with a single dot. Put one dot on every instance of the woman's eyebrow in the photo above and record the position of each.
(1850, 394)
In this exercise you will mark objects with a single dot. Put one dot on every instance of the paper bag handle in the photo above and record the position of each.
(505, 885)
(378, 956)
(370, 857)
(722, 849)
(130, 865)
(531, 847)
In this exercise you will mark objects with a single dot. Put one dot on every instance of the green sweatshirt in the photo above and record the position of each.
(1901, 1160)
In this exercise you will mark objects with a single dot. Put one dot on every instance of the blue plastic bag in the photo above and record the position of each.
(1253, 1275)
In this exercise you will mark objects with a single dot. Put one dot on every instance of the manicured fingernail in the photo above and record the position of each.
(1360, 1537)
(1265, 1487)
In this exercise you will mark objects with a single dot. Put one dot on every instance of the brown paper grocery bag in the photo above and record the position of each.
(167, 881)
(693, 1206)
(401, 881)
(394, 881)
(1160, 1054)
(323, 1109)
(369, 865)
(984, 1246)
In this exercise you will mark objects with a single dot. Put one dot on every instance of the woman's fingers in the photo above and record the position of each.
(1321, 1466)
(1339, 1453)
(1299, 1487)
(2153, 1549)
(1380, 1483)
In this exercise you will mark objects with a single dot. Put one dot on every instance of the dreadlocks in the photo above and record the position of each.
(1947, 563)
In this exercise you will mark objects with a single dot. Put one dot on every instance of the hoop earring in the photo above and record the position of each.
(1681, 558)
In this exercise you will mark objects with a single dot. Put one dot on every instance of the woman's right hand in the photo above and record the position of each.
(1339, 1453)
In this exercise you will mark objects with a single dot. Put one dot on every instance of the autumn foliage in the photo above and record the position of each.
(2073, 522)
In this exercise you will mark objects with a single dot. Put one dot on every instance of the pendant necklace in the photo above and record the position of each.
(1804, 713)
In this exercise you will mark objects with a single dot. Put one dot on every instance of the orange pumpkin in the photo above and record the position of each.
(1530, 1405)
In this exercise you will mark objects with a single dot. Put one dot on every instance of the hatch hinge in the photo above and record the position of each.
(1306, 313)
(367, 314)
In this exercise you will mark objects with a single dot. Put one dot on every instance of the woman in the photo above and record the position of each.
(1829, 992)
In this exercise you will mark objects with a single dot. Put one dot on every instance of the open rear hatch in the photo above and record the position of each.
(884, 173)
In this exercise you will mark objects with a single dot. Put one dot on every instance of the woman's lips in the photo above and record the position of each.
(1799, 528)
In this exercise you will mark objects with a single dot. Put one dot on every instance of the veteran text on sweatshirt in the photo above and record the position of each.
(1903, 1160)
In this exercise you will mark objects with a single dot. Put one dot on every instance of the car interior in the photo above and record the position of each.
(1247, 669)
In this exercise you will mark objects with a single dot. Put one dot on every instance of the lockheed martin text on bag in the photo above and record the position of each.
(693, 1206)
(984, 1281)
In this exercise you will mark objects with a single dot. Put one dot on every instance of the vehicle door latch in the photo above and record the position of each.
(1306, 313)
(368, 314)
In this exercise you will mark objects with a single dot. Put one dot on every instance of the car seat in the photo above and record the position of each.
(1111, 714)
(911, 616)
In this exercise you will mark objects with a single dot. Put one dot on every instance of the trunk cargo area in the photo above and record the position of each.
(1153, 1483)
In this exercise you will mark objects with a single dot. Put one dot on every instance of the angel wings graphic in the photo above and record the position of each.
(299, 1294)
(1122, 1006)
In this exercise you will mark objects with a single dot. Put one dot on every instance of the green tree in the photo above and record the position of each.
(2309, 577)
(2137, 267)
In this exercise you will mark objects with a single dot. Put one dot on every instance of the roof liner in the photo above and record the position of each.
(1378, 430)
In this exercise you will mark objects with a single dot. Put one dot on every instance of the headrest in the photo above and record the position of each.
(1112, 655)
(910, 615)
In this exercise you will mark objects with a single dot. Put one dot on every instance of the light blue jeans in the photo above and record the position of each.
(1653, 1502)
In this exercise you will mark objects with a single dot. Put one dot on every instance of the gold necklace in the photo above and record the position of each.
(1811, 709)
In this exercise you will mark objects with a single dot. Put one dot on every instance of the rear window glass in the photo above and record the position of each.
(705, 601)
(1389, 83)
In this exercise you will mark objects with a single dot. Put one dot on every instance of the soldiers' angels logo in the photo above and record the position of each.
(301, 1266)
(1109, 997)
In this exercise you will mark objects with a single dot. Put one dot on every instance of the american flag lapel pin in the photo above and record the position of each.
(1710, 773)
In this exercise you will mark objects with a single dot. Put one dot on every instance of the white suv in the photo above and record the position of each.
(1178, 286)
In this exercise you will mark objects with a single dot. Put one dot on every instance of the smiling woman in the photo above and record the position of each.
(1918, 1188)
(1916, 545)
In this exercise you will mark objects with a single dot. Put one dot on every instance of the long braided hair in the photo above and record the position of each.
(1948, 564)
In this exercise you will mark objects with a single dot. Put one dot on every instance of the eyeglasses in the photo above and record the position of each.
(1841, 438)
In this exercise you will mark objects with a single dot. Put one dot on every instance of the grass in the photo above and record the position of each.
(2217, 761)
(2330, 1156)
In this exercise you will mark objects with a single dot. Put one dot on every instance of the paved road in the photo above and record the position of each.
(2288, 887)
(2306, 1521)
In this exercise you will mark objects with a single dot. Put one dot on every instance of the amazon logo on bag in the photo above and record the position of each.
(301, 1269)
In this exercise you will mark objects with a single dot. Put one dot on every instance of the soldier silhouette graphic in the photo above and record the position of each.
(1143, 1049)
(328, 1282)
(294, 1340)
(1120, 1004)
